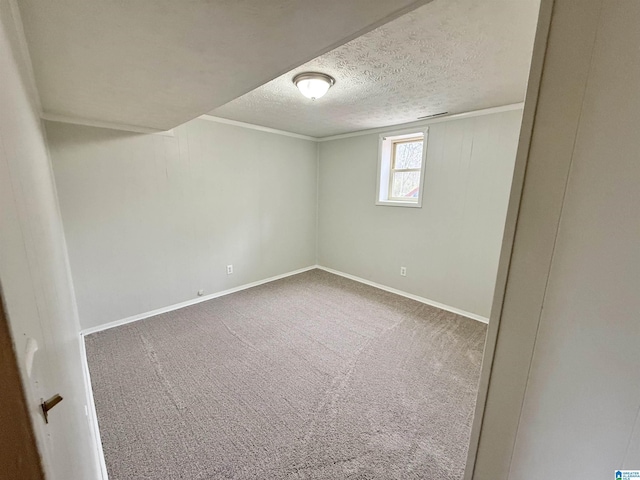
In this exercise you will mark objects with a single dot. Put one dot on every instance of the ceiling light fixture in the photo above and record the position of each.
(313, 84)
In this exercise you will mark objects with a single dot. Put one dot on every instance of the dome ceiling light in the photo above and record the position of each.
(313, 84)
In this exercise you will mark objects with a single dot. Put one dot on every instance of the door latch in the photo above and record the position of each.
(49, 404)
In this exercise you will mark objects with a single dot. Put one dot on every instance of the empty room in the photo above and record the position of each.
(285, 240)
(319, 374)
(297, 284)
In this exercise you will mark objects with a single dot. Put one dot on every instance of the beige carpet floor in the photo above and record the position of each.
(309, 377)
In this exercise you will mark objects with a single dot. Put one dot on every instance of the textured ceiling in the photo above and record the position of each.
(449, 55)
(156, 64)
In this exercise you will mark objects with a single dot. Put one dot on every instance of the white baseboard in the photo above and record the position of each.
(439, 305)
(176, 306)
(91, 409)
(90, 404)
(91, 412)
(194, 301)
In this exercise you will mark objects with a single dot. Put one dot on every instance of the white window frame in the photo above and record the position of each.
(385, 167)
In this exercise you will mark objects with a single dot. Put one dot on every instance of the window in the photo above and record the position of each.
(400, 169)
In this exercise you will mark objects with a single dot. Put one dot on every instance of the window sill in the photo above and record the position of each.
(391, 203)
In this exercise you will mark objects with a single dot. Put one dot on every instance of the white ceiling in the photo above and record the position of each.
(448, 55)
(156, 64)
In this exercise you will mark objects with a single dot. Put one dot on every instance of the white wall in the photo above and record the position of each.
(34, 272)
(451, 245)
(580, 415)
(152, 219)
(564, 391)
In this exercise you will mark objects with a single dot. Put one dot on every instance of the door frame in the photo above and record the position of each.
(511, 221)
(559, 70)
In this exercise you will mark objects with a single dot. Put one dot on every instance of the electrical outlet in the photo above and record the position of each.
(200, 293)
(403, 271)
(229, 269)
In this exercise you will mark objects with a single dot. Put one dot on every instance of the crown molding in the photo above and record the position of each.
(425, 122)
(55, 117)
(419, 123)
(251, 126)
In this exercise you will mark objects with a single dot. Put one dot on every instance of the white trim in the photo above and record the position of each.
(90, 403)
(91, 411)
(177, 306)
(429, 121)
(417, 298)
(166, 133)
(499, 424)
(317, 200)
(55, 117)
(260, 128)
(385, 156)
(401, 126)
(397, 203)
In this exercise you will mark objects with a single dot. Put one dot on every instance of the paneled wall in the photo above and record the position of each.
(451, 245)
(153, 219)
